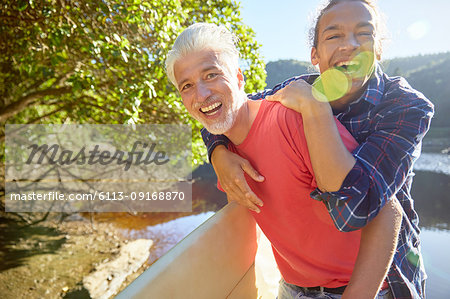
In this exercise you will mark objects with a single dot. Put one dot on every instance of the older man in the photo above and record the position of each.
(310, 252)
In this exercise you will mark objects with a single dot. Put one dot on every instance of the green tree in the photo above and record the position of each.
(103, 61)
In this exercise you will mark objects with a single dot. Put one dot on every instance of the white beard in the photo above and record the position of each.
(223, 126)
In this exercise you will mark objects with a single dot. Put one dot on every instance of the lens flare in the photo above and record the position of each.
(335, 82)
(331, 85)
(365, 62)
(413, 258)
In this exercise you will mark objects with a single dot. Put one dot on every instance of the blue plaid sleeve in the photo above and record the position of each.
(383, 161)
(211, 141)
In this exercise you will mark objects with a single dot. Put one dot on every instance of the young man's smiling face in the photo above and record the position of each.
(346, 41)
(211, 91)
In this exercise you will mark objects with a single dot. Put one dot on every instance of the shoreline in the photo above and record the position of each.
(50, 259)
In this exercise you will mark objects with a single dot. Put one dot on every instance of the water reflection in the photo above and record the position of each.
(168, 228)
(166, 235)
(430, 191)
(433, 162)
(431, 196)
(436, 257)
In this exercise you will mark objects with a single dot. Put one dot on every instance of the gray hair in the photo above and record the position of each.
(203, 36)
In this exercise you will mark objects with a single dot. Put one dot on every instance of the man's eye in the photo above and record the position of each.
(186, 86)
(334, 36)
(211, 76)
(365, 33)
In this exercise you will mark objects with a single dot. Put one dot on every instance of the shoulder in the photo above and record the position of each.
(263, 94)
(398, 93)
(402, 109)
(281, 114)
(277, 119)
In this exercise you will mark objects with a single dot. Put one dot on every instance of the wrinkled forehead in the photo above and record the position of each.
(195, 63)
(192, 62)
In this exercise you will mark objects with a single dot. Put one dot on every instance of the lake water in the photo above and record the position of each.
(431, 192)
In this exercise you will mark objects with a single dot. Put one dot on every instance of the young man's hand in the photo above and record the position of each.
(229, 169)
(297, 95)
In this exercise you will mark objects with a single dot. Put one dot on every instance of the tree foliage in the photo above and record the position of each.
(103, 61)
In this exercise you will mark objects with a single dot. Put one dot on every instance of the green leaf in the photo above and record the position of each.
(22, 5)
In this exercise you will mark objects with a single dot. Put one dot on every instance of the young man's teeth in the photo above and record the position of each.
(346, 63)
(210, 108)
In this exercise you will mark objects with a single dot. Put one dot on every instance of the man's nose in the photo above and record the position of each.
(350, 42)
(203, 92)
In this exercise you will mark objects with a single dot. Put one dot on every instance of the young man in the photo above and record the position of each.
(309, 250)
(385, 115)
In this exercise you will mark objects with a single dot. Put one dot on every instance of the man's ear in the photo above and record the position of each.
(314, 56)
(240, 77)
(378, 55)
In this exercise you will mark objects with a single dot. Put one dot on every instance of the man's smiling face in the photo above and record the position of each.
(347, 42)
(211, 91)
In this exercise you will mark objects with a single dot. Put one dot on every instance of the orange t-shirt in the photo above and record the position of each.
(309, 250)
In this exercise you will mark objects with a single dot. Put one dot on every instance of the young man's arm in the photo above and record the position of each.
(229, 168)
(355, 186)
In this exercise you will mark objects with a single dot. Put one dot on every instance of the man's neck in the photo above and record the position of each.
(244, 121)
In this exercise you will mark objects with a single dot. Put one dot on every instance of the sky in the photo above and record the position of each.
(415, 26)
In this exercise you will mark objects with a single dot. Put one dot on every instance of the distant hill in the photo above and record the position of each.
(430, 74)
(280, 70)
(404, 66)
(434, 82)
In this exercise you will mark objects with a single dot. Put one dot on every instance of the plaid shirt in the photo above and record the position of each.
(389, 122)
